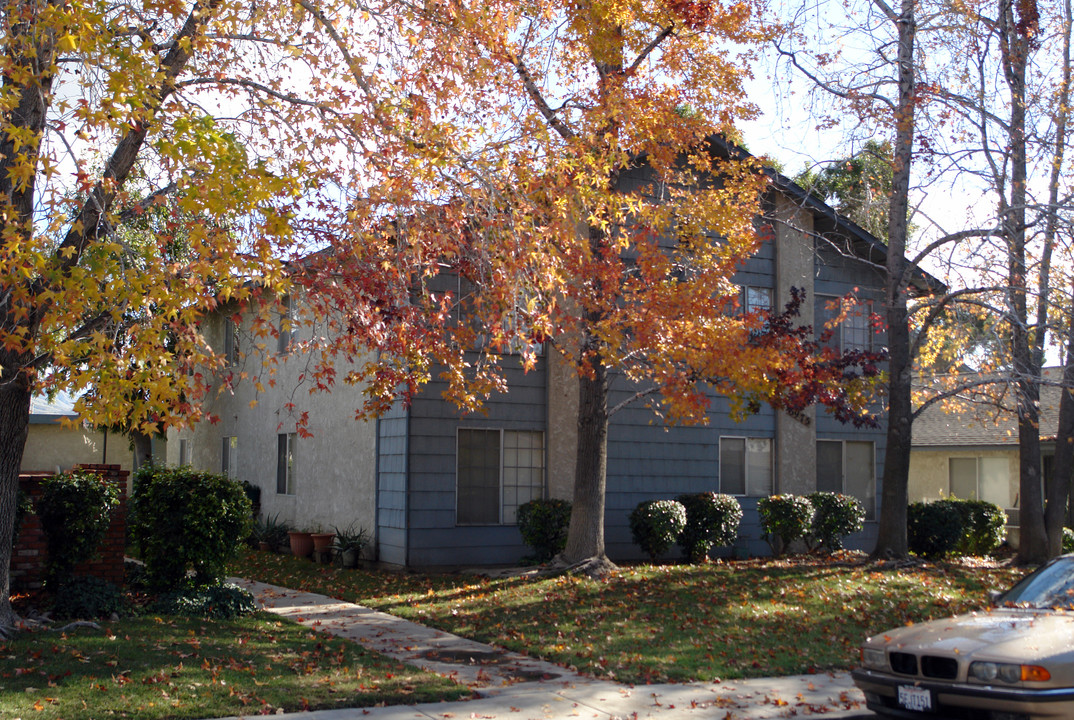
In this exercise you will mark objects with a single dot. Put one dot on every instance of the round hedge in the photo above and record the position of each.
(656, 525)
(543, 524)
(711, 521)
(184, 519)
(784, 519)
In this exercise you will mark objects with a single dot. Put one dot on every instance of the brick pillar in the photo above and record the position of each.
(31, 551)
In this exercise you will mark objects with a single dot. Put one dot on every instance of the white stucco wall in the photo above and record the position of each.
(334, 469)
(52, 446)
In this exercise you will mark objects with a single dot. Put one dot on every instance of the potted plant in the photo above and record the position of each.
(349, 544)
(322, 541)
(270, 533)
(301, 542)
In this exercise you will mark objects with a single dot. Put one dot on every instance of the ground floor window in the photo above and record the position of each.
(981, 478)
(184, 451)
(285, 463)
(848, 467)
(229, 456)
(746, 466)
(496, 471)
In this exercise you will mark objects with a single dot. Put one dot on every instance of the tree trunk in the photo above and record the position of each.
(142, 445)
(891, 536)
(585, 538)
(1015, 43)
(1055, 513)
(14, 423)
(1057, 490)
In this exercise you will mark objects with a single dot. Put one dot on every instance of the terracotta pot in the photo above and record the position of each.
(264, 546)
(322, 541)
(301, 543)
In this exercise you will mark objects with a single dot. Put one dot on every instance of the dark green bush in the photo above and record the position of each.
(543, 524)
(983, 526)
(184, 519)
(933, 529)
(23, 507)
(711, 521)
(784, 519)
(656, 524)
(1068, 540)
(88, 598)
(218, 602)
(75, 509)
(834, 517)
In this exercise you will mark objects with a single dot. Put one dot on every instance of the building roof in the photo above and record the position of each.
(985, 424)
(45, 410)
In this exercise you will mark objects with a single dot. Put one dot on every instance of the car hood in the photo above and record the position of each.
(1008, 634)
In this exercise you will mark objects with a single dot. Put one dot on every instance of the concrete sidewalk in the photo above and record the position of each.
(510, 685)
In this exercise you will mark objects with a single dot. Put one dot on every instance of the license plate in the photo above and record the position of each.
(912, 698)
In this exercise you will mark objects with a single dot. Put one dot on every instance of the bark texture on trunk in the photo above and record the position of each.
(891, 536)
(1058, 485)
(14, 424)
(585, 539)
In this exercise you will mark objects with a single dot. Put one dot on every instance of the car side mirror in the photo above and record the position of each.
(994, 596)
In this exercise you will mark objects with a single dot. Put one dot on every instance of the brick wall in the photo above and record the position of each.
(30, 551)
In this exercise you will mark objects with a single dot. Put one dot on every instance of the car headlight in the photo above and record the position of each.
(874, 658)
(1008, 672)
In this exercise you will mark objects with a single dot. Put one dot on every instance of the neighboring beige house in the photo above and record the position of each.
(973, 453)
(53, 444)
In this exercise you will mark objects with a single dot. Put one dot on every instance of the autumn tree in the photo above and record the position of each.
(109, 110)
(560, 173)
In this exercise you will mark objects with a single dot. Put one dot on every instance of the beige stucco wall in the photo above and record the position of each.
(52, 446)
(930, 475)
(796, 441)
(334, 470)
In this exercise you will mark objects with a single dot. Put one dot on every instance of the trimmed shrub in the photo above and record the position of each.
(219, 602)
(656, 525)
(784, 519)
(983, 526)
(834, 517)
(75, 509)
(711, 521)
(89, 598)
(1068, 540)
(184, 519)
(543, 524)
(933, 529)
(23, 507)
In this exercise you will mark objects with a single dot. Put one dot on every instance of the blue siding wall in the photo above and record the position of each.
(435, 539)
(391, 486)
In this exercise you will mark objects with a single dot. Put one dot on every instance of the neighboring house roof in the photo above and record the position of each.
(45, 410)
(985, 425)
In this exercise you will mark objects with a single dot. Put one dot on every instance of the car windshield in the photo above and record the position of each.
(1050, 586)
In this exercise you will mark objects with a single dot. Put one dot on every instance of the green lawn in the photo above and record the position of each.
(658, 623)
(167, 667)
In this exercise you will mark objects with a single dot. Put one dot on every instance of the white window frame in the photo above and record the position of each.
(503, 507)
(978, 461)
(285, 463)
(748, 491)
(745, 302)
(857, 320)
(870, 508)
